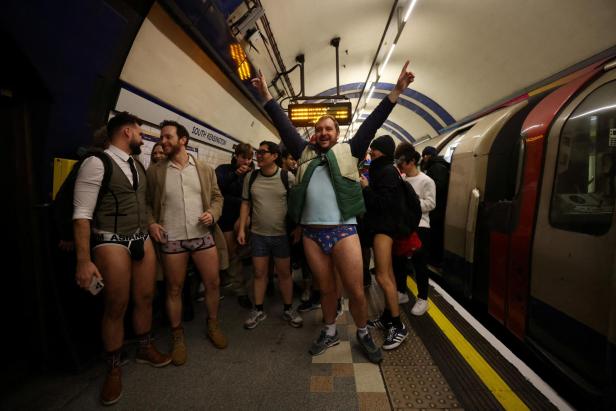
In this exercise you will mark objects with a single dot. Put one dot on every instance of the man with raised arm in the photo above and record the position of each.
(326, 199)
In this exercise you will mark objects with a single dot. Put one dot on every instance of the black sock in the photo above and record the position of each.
(386, 316)
(339, 305)
(259, 307)
(287, 307)
(396, 322)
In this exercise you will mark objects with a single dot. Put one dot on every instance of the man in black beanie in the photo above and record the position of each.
(385, 144)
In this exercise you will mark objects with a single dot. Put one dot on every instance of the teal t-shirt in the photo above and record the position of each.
(321, 207)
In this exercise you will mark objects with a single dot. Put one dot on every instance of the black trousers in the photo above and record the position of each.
(419, 260)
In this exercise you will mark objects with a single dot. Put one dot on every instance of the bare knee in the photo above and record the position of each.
(115, 308)
(356, 294)
(261, 275)
(174, 290)
(382, 279)
(144, 298)
(212, 283)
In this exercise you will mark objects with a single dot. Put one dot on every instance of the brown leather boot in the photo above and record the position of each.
(215, 334)
(112, 387)
(178, 350)
(150, 355)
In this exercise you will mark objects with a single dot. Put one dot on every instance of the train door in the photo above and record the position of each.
(468, 152)
(574, 245)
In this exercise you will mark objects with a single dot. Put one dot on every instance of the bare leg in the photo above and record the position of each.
(323, 272)
(115, 266)
(384, 272)
(175, 274)
(143, 283)
(261, 269)
(347, 260)
(285, 281)
(206, 262)
(235, 270)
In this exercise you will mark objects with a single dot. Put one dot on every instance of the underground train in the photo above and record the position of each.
(530, 227)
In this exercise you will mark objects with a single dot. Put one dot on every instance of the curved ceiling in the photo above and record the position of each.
(466, 55)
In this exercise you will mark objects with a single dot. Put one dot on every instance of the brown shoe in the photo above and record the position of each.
(215, 334)
(178, 350)
(112, 387)
(150, 355)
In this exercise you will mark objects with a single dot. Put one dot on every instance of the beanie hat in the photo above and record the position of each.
(430, 151)
(385, 144)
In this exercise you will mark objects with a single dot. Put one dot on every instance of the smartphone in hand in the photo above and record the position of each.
(96, 285)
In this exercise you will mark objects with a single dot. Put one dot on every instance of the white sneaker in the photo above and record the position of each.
(420, 307)
(403, 298)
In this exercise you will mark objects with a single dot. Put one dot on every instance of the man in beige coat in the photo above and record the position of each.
(186, 203)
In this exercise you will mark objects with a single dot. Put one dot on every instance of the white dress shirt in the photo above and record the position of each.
(90, 178)
(183, 203)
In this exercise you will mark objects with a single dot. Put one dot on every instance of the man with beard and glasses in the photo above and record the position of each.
(112, 244)
(186, 203)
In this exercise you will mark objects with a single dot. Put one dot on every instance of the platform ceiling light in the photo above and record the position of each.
(241, 63)
(382, 67)
(307, 114)
(409, 10)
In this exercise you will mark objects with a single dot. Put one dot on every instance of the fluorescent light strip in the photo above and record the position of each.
(370, 94)
(408, 12)
(391, 50)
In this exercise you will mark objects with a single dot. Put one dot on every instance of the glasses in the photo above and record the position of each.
(261, 152)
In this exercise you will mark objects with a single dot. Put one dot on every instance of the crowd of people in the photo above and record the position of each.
(300, 207)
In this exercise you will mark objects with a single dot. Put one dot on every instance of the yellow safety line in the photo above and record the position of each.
(505, 395)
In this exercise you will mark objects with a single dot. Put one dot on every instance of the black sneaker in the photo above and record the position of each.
(378, 323)
(395, 337)
(308, 306)
(373, 353)
(323, 343)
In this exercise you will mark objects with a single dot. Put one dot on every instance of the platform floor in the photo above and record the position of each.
(269, 368)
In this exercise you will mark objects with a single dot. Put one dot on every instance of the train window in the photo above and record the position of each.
(448, 150)
(585, 184)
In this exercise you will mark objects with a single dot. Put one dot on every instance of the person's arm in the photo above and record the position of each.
(288, 134)
(427, 199)
(217, 199)
(85, 269)
(361, 140)
(87, 186)
(241, 231)
(155, 229)
(244, 211)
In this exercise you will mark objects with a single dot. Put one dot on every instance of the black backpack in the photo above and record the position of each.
(412, 215)
(62, 205)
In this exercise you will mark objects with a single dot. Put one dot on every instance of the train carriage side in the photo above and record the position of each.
(529, 230)
(572, 290)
